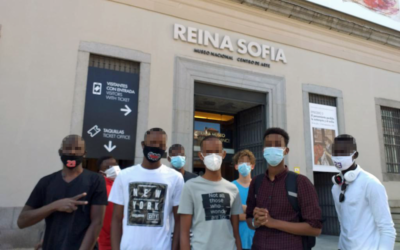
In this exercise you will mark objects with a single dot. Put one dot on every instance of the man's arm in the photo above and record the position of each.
(235, 226)
(250, 205)
(186, 224)
(242, 217)
(96, 222)
(177, 226)
(30, 216)
(378, 201)
(116, 226)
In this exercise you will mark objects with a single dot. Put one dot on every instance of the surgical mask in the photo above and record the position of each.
(273, 155)
(112, 172)
(71, 161)
(153, 154)
(212, 161)
(178, 161)
(343, 162)
(244, 169)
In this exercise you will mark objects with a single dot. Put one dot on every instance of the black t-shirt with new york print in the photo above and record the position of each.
(67, 230)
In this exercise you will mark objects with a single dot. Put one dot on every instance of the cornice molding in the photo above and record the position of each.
(323, 17)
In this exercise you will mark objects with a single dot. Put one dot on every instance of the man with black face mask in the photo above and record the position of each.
(72, 201)
(145, 198)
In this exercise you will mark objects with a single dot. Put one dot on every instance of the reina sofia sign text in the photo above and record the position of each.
(205, 38)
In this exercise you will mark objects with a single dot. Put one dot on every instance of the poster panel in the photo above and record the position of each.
(324, 129)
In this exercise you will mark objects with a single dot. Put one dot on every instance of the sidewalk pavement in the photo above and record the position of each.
(324, 242)
(327, 242)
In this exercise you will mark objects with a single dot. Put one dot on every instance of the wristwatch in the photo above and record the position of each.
(252, 223)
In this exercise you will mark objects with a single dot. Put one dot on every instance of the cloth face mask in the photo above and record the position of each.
(71, 161)
(153, 154)
(343, 162)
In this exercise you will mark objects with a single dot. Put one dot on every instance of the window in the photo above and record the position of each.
(391, 136)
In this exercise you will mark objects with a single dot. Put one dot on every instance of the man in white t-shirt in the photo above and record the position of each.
(145, 198)
(361, 202)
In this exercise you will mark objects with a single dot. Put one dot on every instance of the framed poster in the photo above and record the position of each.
(324, 129)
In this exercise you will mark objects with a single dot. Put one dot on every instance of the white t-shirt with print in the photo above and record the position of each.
(148, 197)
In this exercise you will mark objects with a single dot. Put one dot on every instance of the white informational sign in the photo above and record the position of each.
(324, 129)
(382, 12)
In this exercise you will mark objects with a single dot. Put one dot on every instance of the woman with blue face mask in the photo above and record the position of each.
(244, 163)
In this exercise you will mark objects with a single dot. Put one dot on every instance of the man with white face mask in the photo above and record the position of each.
(212, 203)
(361, 202)
(282, 206)
(108, 167)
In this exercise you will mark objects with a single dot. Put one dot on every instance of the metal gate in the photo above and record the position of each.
(323, 182)
(250, 125)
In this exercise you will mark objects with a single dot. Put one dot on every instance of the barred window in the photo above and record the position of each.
(391, 134)
(111, 63)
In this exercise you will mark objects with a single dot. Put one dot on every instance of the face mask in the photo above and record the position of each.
(343, 162)
(244, 169)
(112, 172)
(71, 161)
(213, 162)
(153, 154)
(178, 161)
(273, 156)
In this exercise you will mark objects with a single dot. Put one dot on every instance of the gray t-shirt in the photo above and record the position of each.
(211, 204)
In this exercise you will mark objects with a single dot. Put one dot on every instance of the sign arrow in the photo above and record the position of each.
(110, 147)
(127, 110)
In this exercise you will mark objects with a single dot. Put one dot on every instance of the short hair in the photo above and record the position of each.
(277, 131)
(154, 130)
(101, 159)
(207, 138)
(346, 138)
(175, 146)
(70, 139)
(243, 153)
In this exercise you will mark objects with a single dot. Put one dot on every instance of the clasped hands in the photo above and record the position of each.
(263, 218)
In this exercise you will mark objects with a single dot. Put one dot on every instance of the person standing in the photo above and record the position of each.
(210, 204)
(145, 198)
(244, 162)
(270, 212)
(108, 167)
(177, 158)
(71, 201)
(361, 202)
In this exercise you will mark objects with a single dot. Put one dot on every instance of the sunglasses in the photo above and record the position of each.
(341, 196)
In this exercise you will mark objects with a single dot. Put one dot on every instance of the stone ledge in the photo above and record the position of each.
(323, 17)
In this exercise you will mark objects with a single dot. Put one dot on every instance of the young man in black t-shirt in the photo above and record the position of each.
(72, 202)
(176, 155)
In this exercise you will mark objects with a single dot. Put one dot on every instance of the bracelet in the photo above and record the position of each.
(252, 223)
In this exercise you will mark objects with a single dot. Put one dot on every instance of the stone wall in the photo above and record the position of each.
(11, 236)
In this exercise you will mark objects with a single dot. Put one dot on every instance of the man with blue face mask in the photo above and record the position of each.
(283, 219)
(177, 158)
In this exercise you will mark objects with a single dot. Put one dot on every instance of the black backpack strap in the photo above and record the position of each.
(257, 183)
(291, 189)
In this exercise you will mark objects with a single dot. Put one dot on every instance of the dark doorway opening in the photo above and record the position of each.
(237, 117)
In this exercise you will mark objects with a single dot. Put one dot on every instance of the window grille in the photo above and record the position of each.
(115, 64)
(322, 99)
(391, 135)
